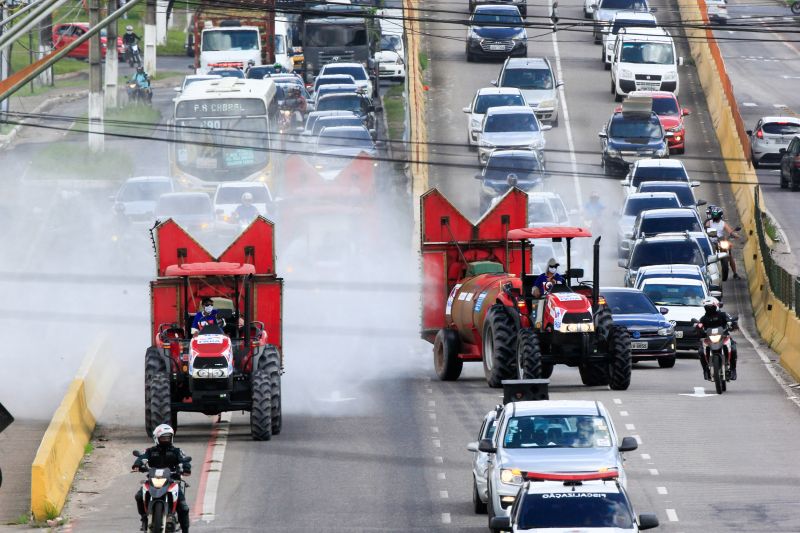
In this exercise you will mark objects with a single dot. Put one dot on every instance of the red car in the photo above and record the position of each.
(65, 33)
(671, 114)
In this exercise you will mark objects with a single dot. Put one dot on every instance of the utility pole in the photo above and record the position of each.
(96, 139)
(112, 60)
(161, 21)
(3, 64)
(45, 46)
(150, 38)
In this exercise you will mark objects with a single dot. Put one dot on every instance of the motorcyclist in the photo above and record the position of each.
(143, 82)
(551, 276)
(594, 208)
(207, 316)
(164, 455)
(724, 231)
(716, 318)
(278, 68)
(246, 211)
(250, 64)
(129, 38)
(294, 101)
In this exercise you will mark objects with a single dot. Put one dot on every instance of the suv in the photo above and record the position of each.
(536, 436)
(511, 128)
(624, 19)
(683, 190)
(636, 203)
(484, 99)
(603, 11)
(790, 165)
(496, 31)
(356, 70)
(480, 460)
(631, 134)
(644, 60)
(357, 103)
(667, 249)
(657, 221)
(535, 78)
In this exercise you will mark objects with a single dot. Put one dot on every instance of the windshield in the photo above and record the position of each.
(632, 23)
(340, 102)
(500, 167)
(636, 129)
(681, 295)
(635, 5)
(659, 174)
(317, 35)
(486, 101)
(358, 73)
(647, 53)
(335, 80)
(280, 44)
(655, 225)
(634, 206)
(666, 107)
(540, 212)
(143, 191)
(233, 39)
(233, 195)
(357, 138)
(192, 204)
(548, 431)
(540, 79)
(569, 509)
(511, 122)
(684, 193)
(628, 303)
(392, 43)
(227, 72)
(781, 128)
(190, 81)
(331, 122)
(222, 149)
(496, 18)
(685, 252)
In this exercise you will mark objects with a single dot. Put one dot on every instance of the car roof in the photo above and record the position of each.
(660, 194)
(509, 110)
(645, 33)
(332, 113)
(170, 195)
(242, 185)
(669, 212)
(342, 129)
(633, 15)
(526, 62)
(557, 407)
(343, 64)
(676, 269)
(630, 290)
(660, 163)
(654, 94)
(676, 184)
(151, 179)
(497, 8)
(334, 76)
(498, 90)
(671, 236)
(339, 95)
(527, 154)
(792, 120)
(674, 281)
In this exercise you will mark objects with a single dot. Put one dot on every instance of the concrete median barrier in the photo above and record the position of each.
(777, 324)
(64, 443)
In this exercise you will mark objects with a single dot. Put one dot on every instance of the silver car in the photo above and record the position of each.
(636, 203)
(605, 10)
(483, 100)
(136, 199)
(770, 135)
(510, 128)
(480, 461)
(549, 436)
(535, 78)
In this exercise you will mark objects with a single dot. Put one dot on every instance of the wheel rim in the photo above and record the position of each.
(488, 349)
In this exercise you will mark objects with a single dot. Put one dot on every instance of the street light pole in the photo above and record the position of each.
(150, 38)
(112, 59)
(96, 139)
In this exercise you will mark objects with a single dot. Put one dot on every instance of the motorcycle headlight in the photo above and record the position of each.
(724, 245)
(511, 477)
(158, 482)
(625, 73)
(670, 76)
(666, 331)
(715, 338)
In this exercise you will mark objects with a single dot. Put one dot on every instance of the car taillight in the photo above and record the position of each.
(760, 134)
(797, 161)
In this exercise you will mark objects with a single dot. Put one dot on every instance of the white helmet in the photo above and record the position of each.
(711, 304)
(247, 197)
(164, 431)
(129, 29)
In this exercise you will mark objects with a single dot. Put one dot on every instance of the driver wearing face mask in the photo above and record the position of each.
(551, 276)
(206, 317)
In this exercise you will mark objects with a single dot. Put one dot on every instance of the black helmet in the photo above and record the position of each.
(140, 69)
(711, 305)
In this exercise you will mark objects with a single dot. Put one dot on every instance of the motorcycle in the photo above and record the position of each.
(794, 5)
(136, 93)
(717, 349)
(290, 120)
(722, 245)
(160, 494)
(132, 53)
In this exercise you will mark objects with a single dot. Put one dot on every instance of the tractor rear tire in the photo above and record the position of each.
(620, 365)
(603, 323)
(274, 369)
(529, 355)
(261, 410)
(446, 348)
(499, 346)
(593, 375)
(160, 400)
(547, 370)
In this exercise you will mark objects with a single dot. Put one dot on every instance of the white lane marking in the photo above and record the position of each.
(617, 401)
(336, 396)
(214, 468)
(646, 456)
(573, 161)
(432, 416)
(662, 490)
(630, 427)
(699, 392)
(638, 439)
(653, 471)
(441, 476)
(438, 459)
(778, 106)
(445, 518)
(432, 403)
(434, 429)
(444, 494)
(749, 104)
(437, 443)
(623, 413)
(672, 516)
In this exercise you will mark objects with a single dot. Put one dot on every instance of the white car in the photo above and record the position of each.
(228, 197)
(655, 170)
(634, 204)
(483, 100)
(683, 300)
(624, 19)
(510, 128)
(391, 58)
(356, 70)
(644, 59)
(480, 461)
(717, 11)
(546, 209)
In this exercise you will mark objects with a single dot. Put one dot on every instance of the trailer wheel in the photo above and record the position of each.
(446, 362)
(160, 400)
(261, 410)
(593, 374)
(619, 351)
(529, 355)
(499, 350)
(274, 370)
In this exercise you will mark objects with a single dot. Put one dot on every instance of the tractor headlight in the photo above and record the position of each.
(511, 477)
(666, 331)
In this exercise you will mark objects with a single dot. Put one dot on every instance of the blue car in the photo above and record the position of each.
(652, 335)
(496, 31)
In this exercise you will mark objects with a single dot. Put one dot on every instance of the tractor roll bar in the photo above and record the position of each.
(596, 274)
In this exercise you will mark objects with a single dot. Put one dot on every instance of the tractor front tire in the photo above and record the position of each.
(529, 355)
(158, 388)
(499, 346)
(620, 365)
(261, 410)
(274, 370)
(153, 363)
(603, 323)
(446, 362)
(593, 375)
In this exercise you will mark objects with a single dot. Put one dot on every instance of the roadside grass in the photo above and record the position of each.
(54, 158)
(394, 106)
(88, 448)
(423, 61)
(130, 119)
(23, 519)
(770, 228)
(50, 511)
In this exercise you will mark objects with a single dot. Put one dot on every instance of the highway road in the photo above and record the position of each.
(373, 442)
(765, 71)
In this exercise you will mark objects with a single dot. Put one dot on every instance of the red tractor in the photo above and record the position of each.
(234, 365)
(478, 303)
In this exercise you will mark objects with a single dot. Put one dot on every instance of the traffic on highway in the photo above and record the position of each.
(267, 314)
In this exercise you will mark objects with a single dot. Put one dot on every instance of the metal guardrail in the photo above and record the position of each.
(784, 285)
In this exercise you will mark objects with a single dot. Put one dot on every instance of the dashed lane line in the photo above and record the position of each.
(662, 490)
(653, 471)
(672, 516)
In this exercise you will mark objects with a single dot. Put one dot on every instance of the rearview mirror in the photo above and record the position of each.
(701, 202)
(625, 183)
(546, 127)
(176, 89)
(479, 176)
(663, 310)
(647, 521)
(472, 447)
(712, 259)
(622, 263)
(628, 444)
(559, 83)
(628, 235)
(602, 135)
(711, 232)
(486, 446)
(680, 61)
(715, 294)
(493, 82)
(501, 523)
(466, 109)
(686, 112)
(576, 273)
(781, 150)
(695, 184)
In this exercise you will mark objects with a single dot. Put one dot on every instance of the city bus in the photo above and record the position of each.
(224, 130)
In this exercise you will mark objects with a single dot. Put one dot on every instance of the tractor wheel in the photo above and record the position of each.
(547, 370)
(274, 368)
(499, 350)
(619, 366)
(160, 400)
(529, 355)
(446, 347)
(593, 374)
(152, 364)
(603, 323)
(261, 410)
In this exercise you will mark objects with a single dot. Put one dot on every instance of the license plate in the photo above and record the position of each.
(497, 47)
(678, 334)
(638, 345)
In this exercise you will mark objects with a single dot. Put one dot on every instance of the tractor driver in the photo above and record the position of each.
(551, 276)
(205, 317)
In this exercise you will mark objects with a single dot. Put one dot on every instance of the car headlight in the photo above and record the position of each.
(537, 145)
(473, 35)
(547, 103)
(399, 61)
(521, 36)
(203, 373)
(670, 76)
(474, 123)
(661, 152)
(666, 331)
(675, 128)
(625, 73)
(511, 477)
(714, 340)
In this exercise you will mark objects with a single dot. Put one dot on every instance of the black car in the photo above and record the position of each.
(358, 103)
(509, 168)
(652, 335)
(631, 136)
(496, 31)
(790, 165)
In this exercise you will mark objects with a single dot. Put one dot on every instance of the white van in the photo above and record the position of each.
(644, 59)
(392, 56)
(283, 42)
